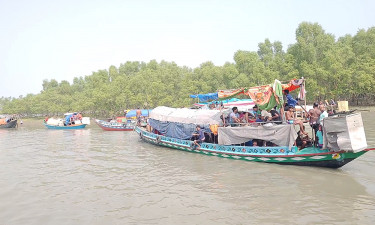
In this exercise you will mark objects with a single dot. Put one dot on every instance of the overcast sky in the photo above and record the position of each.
(66, 39)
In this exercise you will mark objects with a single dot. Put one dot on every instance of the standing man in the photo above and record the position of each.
(323, 114)
(138, 115)
(314, 115)
(290, 100)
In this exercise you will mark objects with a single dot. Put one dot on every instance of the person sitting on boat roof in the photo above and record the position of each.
(266, 115)
(249, 116)
(198, 136)
(234, 117)
(290, 100)
(276, 118)
(257, 114)
(290, 119)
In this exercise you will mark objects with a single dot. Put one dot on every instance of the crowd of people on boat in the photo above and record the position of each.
(271, 117)
(257, 117)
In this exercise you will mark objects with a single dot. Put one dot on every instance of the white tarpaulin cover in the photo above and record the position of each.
(281, 135)
(344, 132)
(55, 122)
(185, 115)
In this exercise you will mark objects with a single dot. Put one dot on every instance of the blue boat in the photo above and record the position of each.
(69, 127)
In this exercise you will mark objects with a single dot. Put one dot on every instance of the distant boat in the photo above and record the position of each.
(11, 124)
(114, 126)
(71, 121)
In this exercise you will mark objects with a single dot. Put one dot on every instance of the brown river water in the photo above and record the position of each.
(93, 176)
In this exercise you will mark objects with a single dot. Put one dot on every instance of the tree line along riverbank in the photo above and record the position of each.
(341, 68)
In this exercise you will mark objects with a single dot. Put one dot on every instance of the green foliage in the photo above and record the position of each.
(342, 69)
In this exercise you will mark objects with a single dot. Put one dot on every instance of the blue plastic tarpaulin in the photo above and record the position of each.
(176, 130)
(206, 97)
(132, 113)
(67, 118)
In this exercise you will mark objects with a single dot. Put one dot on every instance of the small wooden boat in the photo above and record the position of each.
(71, 121)
(68, 127)
(114, 126)
(10, 124)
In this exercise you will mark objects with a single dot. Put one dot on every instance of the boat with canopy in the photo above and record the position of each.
(71, 121)
(8, 123)
(343, 134)
(117, 125)
(124, 123)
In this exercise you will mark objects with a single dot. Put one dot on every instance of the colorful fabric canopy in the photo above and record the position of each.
(265, 96)
(227, 94)
(133, 112)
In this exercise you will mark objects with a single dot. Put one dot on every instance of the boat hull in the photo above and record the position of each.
(11, 124)
(110, 127)
(278, 155)
(70, 127)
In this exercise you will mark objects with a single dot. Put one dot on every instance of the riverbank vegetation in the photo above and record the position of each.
(339, 68)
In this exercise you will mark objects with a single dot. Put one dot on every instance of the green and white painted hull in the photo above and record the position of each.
(281, 155)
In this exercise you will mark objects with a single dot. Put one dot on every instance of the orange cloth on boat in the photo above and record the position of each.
(214, 128)
(292, 85)
(3, 121)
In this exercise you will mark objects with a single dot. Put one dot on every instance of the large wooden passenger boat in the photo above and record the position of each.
(343, 136)
(310, 156)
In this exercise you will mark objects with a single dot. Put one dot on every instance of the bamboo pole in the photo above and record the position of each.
(304, 90)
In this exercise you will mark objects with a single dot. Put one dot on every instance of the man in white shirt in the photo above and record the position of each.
(323, 115)
(234, 117)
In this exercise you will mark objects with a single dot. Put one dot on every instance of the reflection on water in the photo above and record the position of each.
(92, 176)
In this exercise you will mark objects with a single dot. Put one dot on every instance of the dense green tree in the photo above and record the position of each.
(343, 69)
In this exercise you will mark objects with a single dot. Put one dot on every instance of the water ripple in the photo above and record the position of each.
(95, 177)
